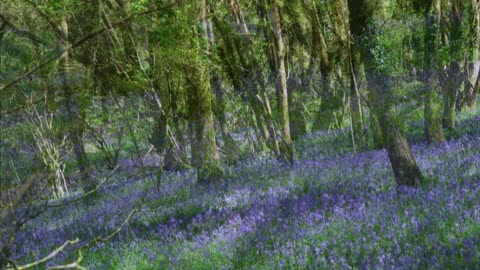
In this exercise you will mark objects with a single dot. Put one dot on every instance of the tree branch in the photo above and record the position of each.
(48, 257)
(58, 204)
(74, 265)
(36, 40)
(78, 43)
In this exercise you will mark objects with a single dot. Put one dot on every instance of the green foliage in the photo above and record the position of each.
(382, 44)
(114, 73)
(129, 256)
(139, 5)
(210, 258)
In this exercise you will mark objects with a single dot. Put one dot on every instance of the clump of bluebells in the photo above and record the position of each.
(329, 211)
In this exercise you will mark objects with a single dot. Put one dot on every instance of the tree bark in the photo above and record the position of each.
(404, 165)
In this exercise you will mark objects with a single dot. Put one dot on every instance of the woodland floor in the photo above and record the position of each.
(332, 210)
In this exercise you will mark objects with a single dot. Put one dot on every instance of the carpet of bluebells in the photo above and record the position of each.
(332, 210)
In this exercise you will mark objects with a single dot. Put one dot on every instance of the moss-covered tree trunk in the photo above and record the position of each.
(176, 153)
(298, 123)
(159, 137)
(297, 45)
(232, 67)
(450, 95)
(472, 48)
(432, 124)
(205, 156)
(376, 132)
(203, 144)
(403, 162)
(404, 165)
(354, 64)
(454, 80)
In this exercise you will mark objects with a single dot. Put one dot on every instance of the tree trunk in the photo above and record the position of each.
(298, 124)
(320, 58)
(251, 82)
(203, 136)
(354, 62)
(475, 90)
(432, 122)
(229, 145)
(403, 163)
(450, 95)
(159, 138)
(74, 117)
(355, 99)
(377, 135)
(286, 149)
(454, 69)
(176, 153)
(203, 145)
(471, 79)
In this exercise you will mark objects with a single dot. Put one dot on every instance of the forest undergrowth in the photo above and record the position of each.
(333, 209)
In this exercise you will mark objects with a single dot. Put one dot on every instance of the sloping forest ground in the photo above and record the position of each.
(333, 209)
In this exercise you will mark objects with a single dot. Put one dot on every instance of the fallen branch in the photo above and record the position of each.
(52, 205)
(103, 239)
(47, 258)
(74, 265)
